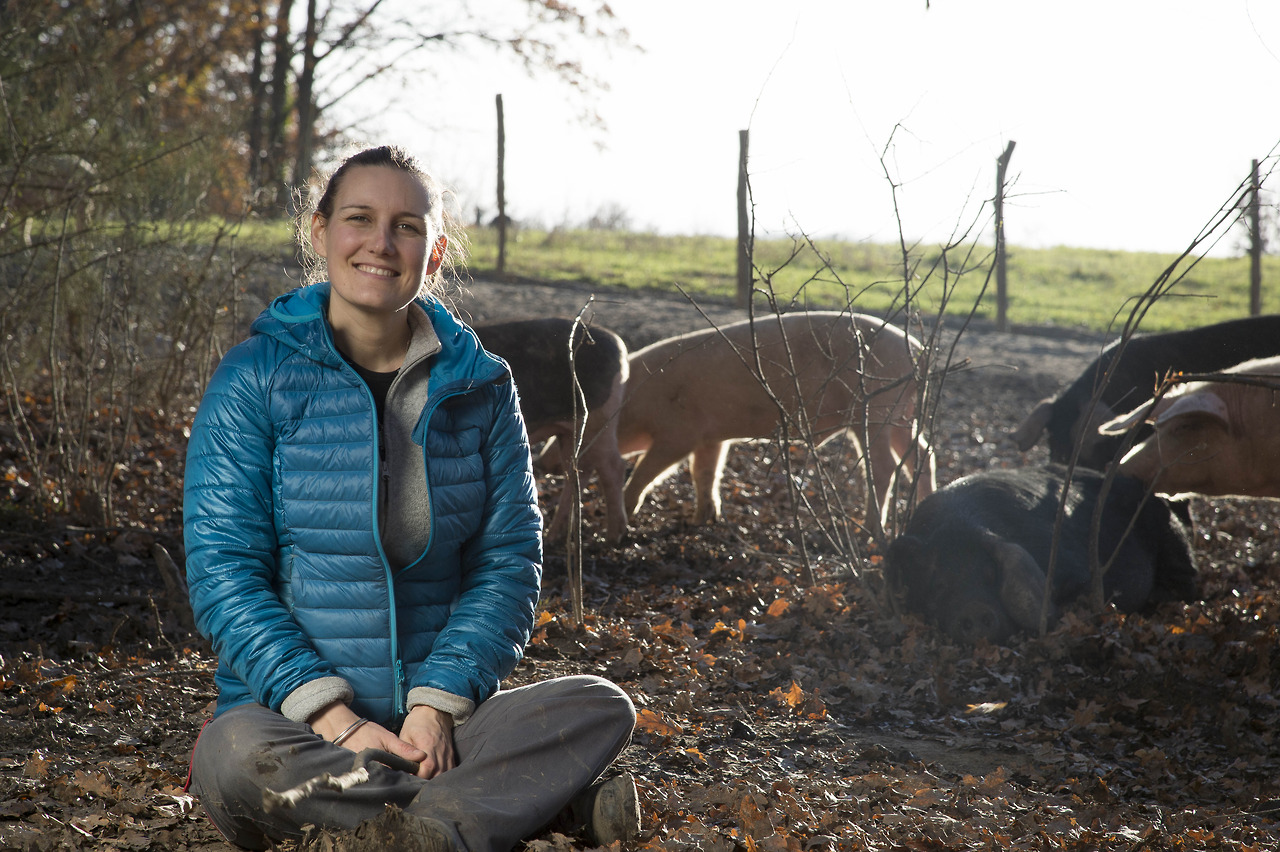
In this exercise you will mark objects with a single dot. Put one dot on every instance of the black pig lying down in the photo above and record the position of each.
(973, 557)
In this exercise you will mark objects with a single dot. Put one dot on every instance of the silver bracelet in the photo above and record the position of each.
(355, 726)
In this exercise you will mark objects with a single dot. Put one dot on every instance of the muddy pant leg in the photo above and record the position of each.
(523, 755)
(250, 748)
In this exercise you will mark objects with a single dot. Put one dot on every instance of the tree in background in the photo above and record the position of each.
(143, 91)
(251, 89)
(135, 137)
(322, 56)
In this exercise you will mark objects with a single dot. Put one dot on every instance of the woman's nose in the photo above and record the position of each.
(382, 242)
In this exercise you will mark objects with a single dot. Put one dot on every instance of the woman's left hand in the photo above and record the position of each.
(432, 731)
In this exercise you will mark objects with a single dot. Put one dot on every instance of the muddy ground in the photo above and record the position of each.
(784, 704)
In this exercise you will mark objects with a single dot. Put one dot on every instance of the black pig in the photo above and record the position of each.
(974, 555)
(1144, 361)
(537, 350)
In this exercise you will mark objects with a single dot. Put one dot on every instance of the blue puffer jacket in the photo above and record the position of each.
(287, 575)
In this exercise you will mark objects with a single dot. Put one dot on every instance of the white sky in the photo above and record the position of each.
(1134, 119)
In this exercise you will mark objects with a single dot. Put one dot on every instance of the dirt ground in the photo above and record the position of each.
(779, 709)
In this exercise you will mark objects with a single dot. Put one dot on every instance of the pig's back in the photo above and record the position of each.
(708, 380)
(696, 383)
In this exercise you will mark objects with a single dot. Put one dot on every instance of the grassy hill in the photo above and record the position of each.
(1068, 287)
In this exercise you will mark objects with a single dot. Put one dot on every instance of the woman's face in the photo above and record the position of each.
(379, 243)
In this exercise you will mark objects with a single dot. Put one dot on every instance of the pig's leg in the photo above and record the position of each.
(654, 466)
(707, 468)
(926, 468)
(560, 518)
(603, 457)
(548, 459)
(607, 459)
(599, 455)
(910, 446)
(569, 495)
(884, 464)
(612, 472)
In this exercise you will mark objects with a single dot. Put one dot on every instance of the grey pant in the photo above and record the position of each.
(521, 757)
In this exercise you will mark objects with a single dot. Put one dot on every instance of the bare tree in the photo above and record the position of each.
(344, 48)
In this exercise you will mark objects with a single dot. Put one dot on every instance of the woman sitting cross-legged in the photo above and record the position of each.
(364, 551)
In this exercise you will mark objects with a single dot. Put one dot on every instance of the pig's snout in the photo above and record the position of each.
(1167, 464)
(972, 618)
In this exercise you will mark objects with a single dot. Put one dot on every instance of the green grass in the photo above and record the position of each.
(1068, 287)
(264, 235)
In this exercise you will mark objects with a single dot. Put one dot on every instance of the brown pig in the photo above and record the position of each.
(1212, 437)
(831, 373)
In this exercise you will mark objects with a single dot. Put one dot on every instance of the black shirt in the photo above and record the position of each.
(379, 384)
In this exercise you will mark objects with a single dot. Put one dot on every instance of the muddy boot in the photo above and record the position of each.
(394, 829)
(609, 810)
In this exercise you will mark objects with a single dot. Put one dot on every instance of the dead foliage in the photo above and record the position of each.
(775, 714)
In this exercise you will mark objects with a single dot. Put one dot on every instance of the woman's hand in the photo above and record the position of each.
(330, 722)
(431, 731)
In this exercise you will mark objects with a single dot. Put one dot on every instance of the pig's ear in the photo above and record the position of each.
(1125, 422)
(1022, 584)
(1203, 405)
(1026, 435)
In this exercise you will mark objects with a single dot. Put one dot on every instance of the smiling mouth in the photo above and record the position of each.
(377, 270)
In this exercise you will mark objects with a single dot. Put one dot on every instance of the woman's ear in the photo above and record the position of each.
(437, 254)
(318, 225)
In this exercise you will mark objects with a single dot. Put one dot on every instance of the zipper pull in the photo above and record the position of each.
(400, 696)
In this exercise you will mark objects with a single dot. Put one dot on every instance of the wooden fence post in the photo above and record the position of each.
(744, 225)
(1255, 243)
(1002, 284)
(502, 191)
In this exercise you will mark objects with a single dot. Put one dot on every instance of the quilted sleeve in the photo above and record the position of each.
(231, 541)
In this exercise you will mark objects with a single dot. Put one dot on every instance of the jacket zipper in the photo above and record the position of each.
(384, 484)
(381, 479)
(400, 694)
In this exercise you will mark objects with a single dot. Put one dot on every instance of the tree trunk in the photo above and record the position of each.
(273, 173)
(307, 114)
(257, 98)
(502, 191)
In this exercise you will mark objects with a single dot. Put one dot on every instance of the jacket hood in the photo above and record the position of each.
(297, 320)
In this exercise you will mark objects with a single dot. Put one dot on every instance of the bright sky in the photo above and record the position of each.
(1134, 119)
